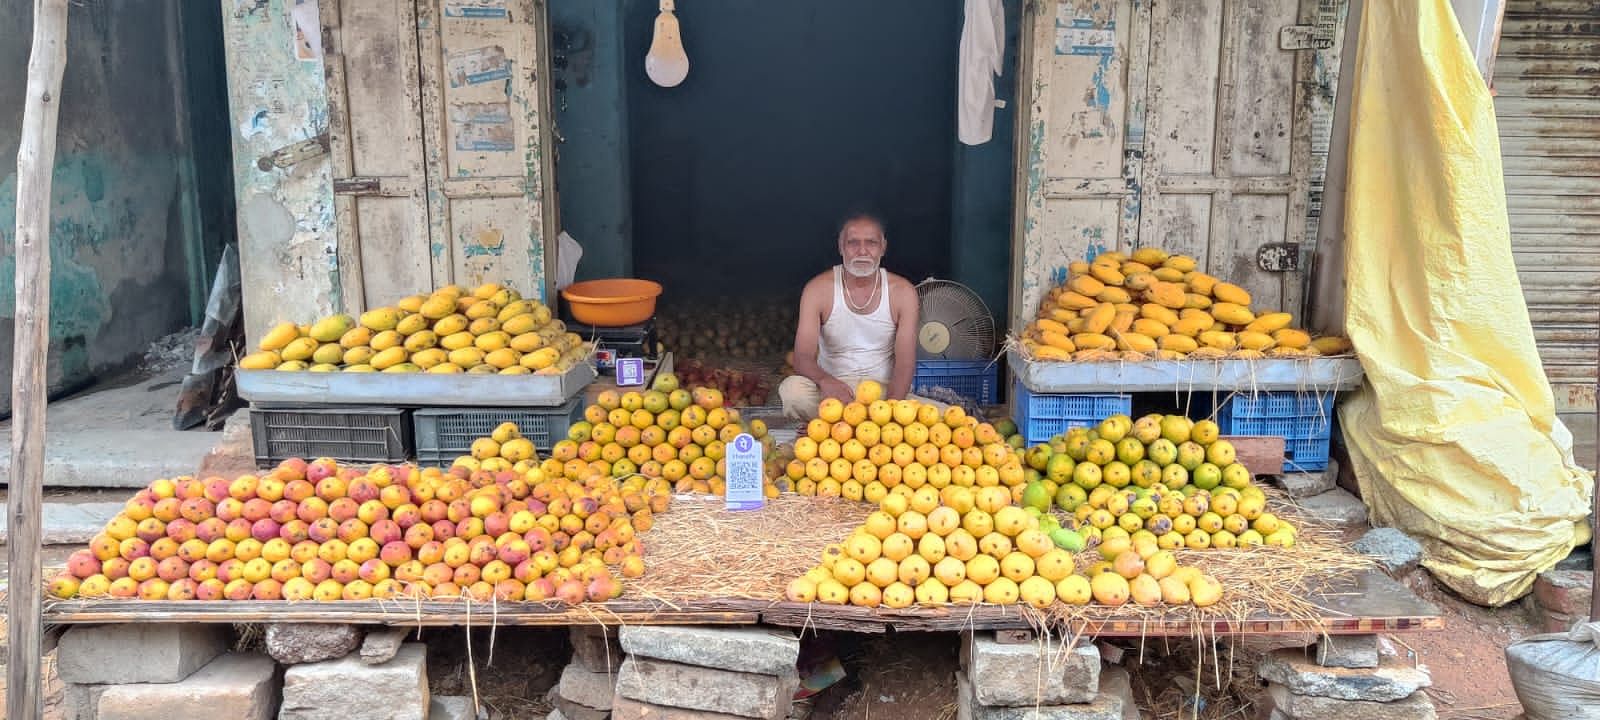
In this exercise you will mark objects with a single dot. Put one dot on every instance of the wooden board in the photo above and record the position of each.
(1369, 603)
(457, 390)
(1261, 455)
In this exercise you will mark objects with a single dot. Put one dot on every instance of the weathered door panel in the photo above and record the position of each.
(1548, 109)
(484, 92)
(375, 137)
(1076, 194)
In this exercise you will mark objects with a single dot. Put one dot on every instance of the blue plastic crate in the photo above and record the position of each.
(1280, 404)
(1304, 420)
(1041, 416)
(1306, 455)
(974, 380)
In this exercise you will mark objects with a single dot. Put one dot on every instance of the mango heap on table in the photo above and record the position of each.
(491, 329)
(1153, 305)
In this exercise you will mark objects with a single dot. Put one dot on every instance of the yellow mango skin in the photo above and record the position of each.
(1270, 322)
(1057, 340)
(279, 336)
(1166, 294)
(1073, 300)
(1232, 314)
(1151, 328)
(1086, 285)
(1044, 324)
(1151, 256)
(1177, 343)
(1114, 295)
(1100, 318)
(1252, 340)
(1135, 342)
(1093, 341)
(1219, 340)
(1331, 345)
(1158, 313)
(1231, 293)
(1292, 339)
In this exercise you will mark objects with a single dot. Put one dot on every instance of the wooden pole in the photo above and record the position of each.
(1594, 522)
(35, 161)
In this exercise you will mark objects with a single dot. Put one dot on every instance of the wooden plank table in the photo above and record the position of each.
(1368, 603)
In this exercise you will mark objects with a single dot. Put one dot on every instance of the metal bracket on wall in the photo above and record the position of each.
(291, 154)
(1278, 257)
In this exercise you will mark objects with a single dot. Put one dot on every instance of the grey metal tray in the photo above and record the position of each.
(1308, 374)
(414, 388)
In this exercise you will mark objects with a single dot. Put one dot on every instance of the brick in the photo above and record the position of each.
(1566, 592)
(702, 688)
(1037, 673)
(316, 691)
(295, 643)
(1105, 706)
(236, 685)
(625, 709)
(596, 648)
(451, 707)
(1347, 651)
(380, 646)
(78, 701)
(1114, 680)
(1554, 622)
(1386, 683)
(761, 651)
(590, 689)
(1416, 706)
(137, 652)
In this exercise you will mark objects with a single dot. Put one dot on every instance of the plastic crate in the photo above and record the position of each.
(444, 434)
(974, 380)
(347, 434)
(1304, 420)
(1041, 416)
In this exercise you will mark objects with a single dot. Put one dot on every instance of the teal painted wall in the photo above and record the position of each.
(592, 118)
(982, 197)
(124, 215)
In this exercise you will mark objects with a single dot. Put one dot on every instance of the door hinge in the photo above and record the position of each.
(374, 186)
(1278, 257)
(1304, 37)
(293, 153)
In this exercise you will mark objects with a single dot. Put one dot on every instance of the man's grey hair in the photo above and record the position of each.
(856, 217)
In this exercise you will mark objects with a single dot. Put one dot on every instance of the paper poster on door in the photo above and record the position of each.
(475, 9)
(478, 65)
(1084, 35)
(482, 127)
(307, 31)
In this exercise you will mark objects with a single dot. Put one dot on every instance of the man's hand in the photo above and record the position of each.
(836, 388)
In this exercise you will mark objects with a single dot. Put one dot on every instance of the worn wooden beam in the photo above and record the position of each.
(35, 160)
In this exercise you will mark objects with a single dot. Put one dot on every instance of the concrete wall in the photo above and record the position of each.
(592, 163)
(983, 196)
(125, 225)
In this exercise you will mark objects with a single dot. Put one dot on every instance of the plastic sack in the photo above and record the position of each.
(1557, 676)
(1454, 437)
(568, 253)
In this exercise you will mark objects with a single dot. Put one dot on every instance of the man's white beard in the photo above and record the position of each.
(862, 267)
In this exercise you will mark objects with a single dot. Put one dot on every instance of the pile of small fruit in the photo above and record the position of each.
(739, 388)
(497, 527)
(741, 328)
(872, 447)
(1160, 306)
(669, 433)
(491, 329)
(1167, 478)
(952, 524)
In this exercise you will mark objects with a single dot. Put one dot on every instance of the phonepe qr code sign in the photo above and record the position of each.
(743, 483)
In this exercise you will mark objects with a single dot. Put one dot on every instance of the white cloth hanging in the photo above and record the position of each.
(983, 46)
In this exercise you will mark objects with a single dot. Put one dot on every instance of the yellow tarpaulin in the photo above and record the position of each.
(1454, 437)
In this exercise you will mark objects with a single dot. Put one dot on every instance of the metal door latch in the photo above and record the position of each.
(288, 155)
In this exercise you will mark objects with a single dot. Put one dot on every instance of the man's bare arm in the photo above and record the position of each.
(903, 302)
(816, 293)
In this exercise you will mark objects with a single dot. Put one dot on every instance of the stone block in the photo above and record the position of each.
(78, 702)
(137, 652)
(1034, 673)
(1347, 651)
(761, 651)
(573, 711)
(1567, 592)
(379, 646)
(1393, 549)
(1114, 680)
(693, 687)
(1335, 506)
(596, 648)
(296, 643)
(236, 685)
(555, 714)
(1416, 706)
(1104, 706)
(450, 707)
(625, 709)
(332, 688)
(1386, 683)
(1306, 484)
(591, 689)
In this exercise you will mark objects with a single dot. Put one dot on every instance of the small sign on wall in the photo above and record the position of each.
(630, 372)
(744, 483)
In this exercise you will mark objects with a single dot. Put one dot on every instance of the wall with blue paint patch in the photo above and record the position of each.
(125, 222)
(591, 110)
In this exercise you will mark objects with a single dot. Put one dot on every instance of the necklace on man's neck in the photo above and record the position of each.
(870, 298)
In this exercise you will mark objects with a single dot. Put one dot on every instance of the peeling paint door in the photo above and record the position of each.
(1198, 127)
(485, 97)
(375, 137)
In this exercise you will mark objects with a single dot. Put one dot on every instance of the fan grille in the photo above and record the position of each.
(954, 322)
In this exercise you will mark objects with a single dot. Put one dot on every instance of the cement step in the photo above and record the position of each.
(68, 523)
(114, 458)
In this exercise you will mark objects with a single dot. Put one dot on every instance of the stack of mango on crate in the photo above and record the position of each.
(1156, 306)
(490, 329)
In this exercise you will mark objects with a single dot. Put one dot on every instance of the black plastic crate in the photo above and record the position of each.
(444, 434)
(356, 434)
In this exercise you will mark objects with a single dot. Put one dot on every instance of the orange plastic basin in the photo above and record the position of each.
(612, 302)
